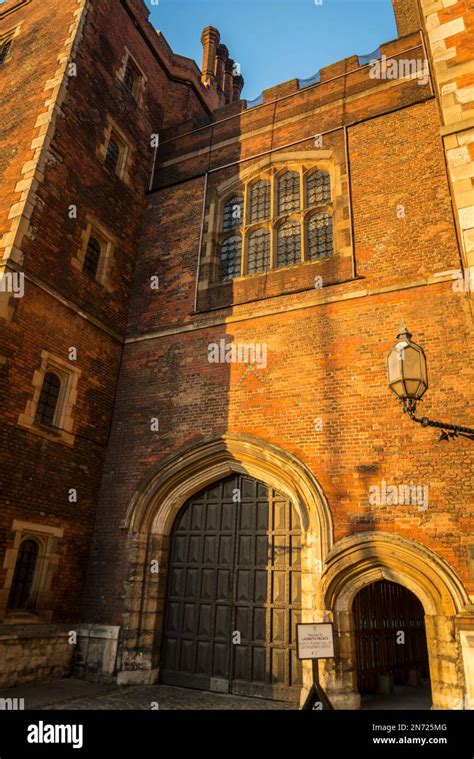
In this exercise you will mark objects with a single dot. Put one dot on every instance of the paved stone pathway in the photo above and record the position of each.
(403, 698)
(166, 697)
(79, 695)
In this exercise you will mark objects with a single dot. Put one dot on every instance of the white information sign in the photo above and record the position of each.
(315, 640)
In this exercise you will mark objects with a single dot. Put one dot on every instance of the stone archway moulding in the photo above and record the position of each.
(366, 557)
(177, 478)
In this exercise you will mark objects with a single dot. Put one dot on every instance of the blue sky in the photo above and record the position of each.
(276, 40)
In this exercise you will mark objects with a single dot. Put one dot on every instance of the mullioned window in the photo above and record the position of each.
(275, 222)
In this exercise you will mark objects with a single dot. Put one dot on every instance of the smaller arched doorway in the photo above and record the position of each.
(390, 638)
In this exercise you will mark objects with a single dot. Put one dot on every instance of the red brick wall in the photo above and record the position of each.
(37, 473)
(325, 359)
(22, 94)
(93, 95)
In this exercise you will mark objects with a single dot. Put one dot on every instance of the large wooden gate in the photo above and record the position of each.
(234, 593)
(382, 610)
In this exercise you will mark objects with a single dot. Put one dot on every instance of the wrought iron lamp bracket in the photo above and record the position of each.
(447, 430)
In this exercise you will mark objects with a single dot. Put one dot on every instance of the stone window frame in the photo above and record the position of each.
(304, 163)
(5, 39)
(63, 417)
(108, 243)
(123, 167)
(9, 35)
(47, 537)
(140, 84)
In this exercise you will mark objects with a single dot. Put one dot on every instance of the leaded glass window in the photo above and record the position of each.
(288, 244)
(233, 211)
(288, 193)
(92, 258)
(5, 46)
(318, 188)
(129, 78)
(113, 154)
(20, 592)
(258, 251)
(259, 205)
(231, 256)
(48, 400)
(264, 239)
(320, 236)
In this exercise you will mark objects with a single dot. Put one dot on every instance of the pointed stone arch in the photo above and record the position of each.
(361, 559)
(160, 496)
(155, 505)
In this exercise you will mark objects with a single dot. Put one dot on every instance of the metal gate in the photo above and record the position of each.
(382, 610)
(234, 593)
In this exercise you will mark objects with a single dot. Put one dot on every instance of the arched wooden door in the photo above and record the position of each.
(390, 635)
(234, 592)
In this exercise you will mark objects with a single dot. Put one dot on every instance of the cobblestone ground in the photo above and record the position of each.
(167, 697)
(81, 695)
(77, 694)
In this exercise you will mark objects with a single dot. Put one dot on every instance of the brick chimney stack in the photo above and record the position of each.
(210, 39)
(221, 58)
(219, 72)
(228, 79)
(237, 85)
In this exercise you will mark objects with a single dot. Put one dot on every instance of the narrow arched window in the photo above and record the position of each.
(5, 46)
(20, 592)
(113, 154)
(231, 256)
(129, 78)
(233, 211)
(288, 244)
(259, 201)
(92, 258)
(48, 400)
(258, 251)
(318, 188)
(319, 236)
(288, 193)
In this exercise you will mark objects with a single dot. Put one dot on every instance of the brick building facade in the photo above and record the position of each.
(210, 290)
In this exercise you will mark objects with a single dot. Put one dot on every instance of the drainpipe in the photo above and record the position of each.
(201, 236)
(349, 197)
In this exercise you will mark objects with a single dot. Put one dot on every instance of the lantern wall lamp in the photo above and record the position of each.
(408, 379)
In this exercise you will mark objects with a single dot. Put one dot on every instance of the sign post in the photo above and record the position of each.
(315, 640)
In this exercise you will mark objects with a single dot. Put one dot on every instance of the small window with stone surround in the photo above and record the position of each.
(92, 257)
(49, 410)
(7, 45)
(5, 48)
(95, 257)
(131, 76)
(112, 156)
(21, 595)
(30, 562)
(116, 154)
(116, 150)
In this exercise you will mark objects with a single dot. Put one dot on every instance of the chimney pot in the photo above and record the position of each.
(210, 39)
(221, 58)
(237, 86)
(228, 79)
